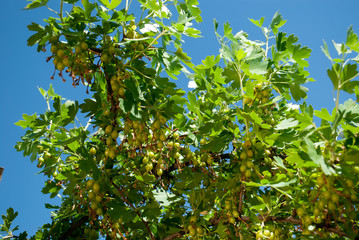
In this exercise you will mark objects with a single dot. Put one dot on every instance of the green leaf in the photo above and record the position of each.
(117, 210)
(111, 5)
(350, 86)
(228, 31)
(27, 122)
(114, 4)
(215, 23)
(87, 165)
(209, 62)
(279, 162)
(343, 79)
(356, 58)
(35, 27)
(164, 198)
(71, 1)
(352, 40)
(222, 230)
(11, 214)
(103, 13)
(192, 32)
(253, 117)
(350, 112)
(326, 50)
(287, 123)
(183, 56)
(89, 106)
(219, 142)
(36, 4)
(339, 47)
(51, 187)
(317, 158)
(299, 53)
(324, 114)
(193, 105)
(281, 186)
(280, 45)
(8, 219)
(356, 91)
(35, 38)
(88, 7)
(334, 75)
(106, 3)
(240, 54)
(194, 9)
(298, 92)
(258, 23)
(277, 22)
(258, 67)
(147, 178)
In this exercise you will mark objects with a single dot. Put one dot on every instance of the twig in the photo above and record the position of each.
(174, 235)
(10, 236)
(1, 171)
(241, 199)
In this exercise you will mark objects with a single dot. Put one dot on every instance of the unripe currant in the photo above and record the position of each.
(92, 151)
(105, 58)
(60, 66)
(121, 91)
(114, 134)
(247, 144)
(84, 46)
(108, 129)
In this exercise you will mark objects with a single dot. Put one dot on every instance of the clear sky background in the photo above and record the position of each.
(22, 69)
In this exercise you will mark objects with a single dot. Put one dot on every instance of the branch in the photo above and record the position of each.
(146, 225)
(74, 226)
(1, 171)
(290, 219)
(175, 235)
(10, 236)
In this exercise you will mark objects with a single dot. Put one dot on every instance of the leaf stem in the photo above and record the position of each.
(52, 10)
(144, 50)
(267, 42)
(127, 6)
(337, 100)
(242, 92)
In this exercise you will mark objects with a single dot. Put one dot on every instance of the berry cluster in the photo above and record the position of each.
(76, 58)
(194, 229)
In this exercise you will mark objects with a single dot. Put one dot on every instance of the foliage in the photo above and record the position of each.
(233, 158)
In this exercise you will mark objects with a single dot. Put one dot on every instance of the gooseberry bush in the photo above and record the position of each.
(242, 155)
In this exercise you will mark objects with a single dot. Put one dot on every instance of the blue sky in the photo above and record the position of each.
(23, 69)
